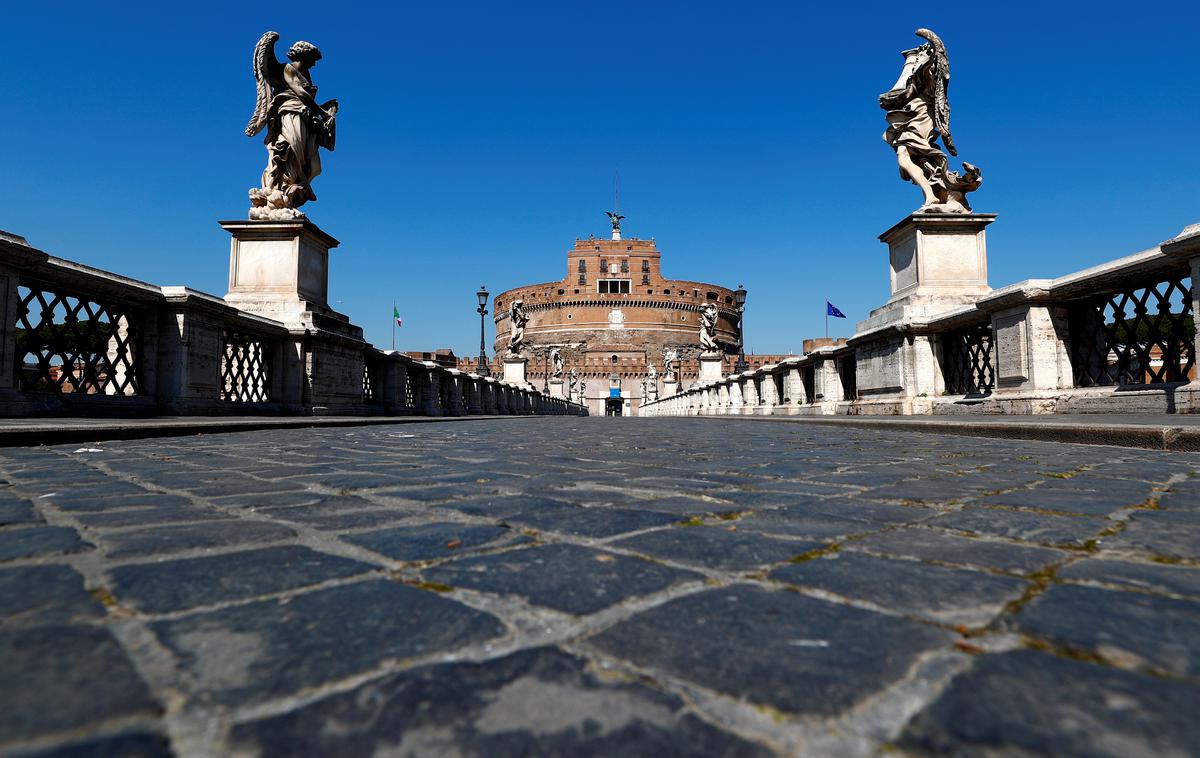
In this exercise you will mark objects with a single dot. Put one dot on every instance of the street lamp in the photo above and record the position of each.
(739, 297)
(482, 369)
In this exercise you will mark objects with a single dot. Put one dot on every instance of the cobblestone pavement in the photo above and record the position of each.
(598, 587)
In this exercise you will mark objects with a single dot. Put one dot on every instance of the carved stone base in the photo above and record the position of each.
(710, 367)
(558, 388)
(514, 370)
(280, 270)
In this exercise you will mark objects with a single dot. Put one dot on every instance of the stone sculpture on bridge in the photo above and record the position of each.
(572, 382)
(918, 112)
(556, 359)
(517, 320)
(708, 328)
(670, 363)
(297, 128)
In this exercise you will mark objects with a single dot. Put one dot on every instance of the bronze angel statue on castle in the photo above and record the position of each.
(297, 127)
(918, 112)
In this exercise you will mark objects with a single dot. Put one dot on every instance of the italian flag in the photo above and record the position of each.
(396, 315)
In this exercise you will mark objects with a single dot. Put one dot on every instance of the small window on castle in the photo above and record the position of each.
(577, 291)
(729, 301)
(646, 280)
(582, 265)
(582, 280)
(666, 292)
(648, 292)
(711, 296)
(570, 316)
(562, 292)
(683, 317)
(624, 267)
(615, 359)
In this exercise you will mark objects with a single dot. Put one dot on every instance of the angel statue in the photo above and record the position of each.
(652, 382)
(708, 328)
(297, 127)
(615, 218)
(572, 381)
(517, 321)
(557, 359)
(670, 364)
(917, 114)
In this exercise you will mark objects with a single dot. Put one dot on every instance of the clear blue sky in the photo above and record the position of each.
(477, 140)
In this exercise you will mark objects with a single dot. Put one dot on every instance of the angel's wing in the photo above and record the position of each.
(941, 85)
(268, 75)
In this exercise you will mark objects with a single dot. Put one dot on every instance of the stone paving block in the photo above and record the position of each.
(437, 493)
(688, 506)
(1063, 530)
(1169, 534)
(1151, 577)
(18, 512)
(270, 649)
(590, 522)
(40, 540)
(31, 595)
(567, 578)
(119, 746)
(716, 547)
(1132, 629)
(165, 586)
(1070, 499)
(101, 495)
(171, 539)
(1181, 496)
(932, 545)
(780, 649)
(1031, 703)
(433, 541)
(151, 516)
(534, 702)
(503, 506)
(812, 526)
(946, 595)
(940, 491)
(58, 678)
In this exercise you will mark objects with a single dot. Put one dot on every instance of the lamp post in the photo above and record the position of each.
(482, 369)
(739, 297)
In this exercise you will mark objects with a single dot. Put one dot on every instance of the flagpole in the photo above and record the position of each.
(394, 326)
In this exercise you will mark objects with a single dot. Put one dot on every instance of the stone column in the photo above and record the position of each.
(735, 395)
(793, 387)
(1031, 351)
(710, 367)
(723, 397)
(557, 388)
(514, 370)
(768, 398)
(670, 387)
(749, 395)
(474, 384)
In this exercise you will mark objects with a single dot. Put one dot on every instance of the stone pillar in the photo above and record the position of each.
(749, 394)
(768, 398)
(514, 370)
(735, 395)
(670, 386)
(937, 261)
(1031, 351)
(474, 385)
(723, 397)
(279, 269)
(557, 388)
(710, 367)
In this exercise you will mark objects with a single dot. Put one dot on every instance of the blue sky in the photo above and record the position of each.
(477, 140)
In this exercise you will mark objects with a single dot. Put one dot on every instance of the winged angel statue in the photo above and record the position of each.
(297, 127)
(918, 113)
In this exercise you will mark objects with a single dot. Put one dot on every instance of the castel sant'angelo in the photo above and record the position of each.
(613, 316)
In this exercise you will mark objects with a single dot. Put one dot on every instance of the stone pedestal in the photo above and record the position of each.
(670, 387)
(514, 370)
(280, 270)
(710, 367)
(938, 262)
(558, 388)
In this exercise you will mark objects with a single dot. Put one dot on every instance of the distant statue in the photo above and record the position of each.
(645, 392)
(572, 381)
(517, 321)
(652, 382)
(582, 391)
(670, 364)
(615, 217)
(297, 127)
(708, 328)
(918, 112)
(557, 359)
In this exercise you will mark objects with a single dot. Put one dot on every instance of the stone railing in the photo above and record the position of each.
(1119, 337)
(81, 341)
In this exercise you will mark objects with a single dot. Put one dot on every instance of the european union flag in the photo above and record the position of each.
(831, 310)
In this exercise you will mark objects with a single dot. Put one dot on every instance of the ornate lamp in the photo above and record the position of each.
(482, 369)
(739, 298)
